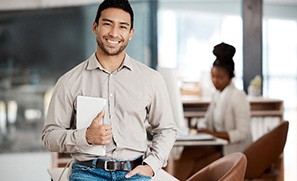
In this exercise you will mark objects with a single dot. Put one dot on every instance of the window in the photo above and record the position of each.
(187, 36)
(279, 62)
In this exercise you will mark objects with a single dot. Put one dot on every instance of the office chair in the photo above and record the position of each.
(231, 167)
(265, 152)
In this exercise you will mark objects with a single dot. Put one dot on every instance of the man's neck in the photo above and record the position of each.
(110, 63)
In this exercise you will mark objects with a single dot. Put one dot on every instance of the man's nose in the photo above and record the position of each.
(114, 31)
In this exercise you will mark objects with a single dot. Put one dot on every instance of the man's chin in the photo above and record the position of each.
(113, 53)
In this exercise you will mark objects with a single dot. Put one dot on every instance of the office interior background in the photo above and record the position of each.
(42, 39)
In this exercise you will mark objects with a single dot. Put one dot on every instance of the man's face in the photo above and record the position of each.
(113, 31)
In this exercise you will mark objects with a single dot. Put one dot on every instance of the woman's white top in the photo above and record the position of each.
(229, 111)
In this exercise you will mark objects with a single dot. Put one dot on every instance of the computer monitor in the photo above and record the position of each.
(171, 77)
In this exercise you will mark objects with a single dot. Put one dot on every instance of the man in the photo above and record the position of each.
(136, 96)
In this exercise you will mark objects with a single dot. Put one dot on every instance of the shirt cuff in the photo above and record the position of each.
(152, 162)
(233, 137)
(81, 140)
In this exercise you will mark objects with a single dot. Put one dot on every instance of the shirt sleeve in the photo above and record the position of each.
(206, 122)
(57, 135)
(161, 119)
(241, 111)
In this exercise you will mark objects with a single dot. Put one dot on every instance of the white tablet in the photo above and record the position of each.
(87, 110)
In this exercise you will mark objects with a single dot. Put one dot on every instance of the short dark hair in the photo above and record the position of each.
(120, 4)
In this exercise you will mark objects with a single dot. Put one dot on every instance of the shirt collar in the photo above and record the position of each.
(225, 91)
(93, 63)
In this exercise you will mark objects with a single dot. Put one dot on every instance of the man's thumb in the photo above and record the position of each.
(99, 117)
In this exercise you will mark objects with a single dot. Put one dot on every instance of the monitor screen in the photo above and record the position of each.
(171, 77)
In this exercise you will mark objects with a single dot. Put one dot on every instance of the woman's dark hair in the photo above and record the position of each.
(224, 53)
(120, 4)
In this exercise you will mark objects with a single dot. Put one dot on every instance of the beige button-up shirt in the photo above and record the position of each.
(137, 97)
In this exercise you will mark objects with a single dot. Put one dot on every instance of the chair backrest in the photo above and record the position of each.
(266, 150)
(228, 168)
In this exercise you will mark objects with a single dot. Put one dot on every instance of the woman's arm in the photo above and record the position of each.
(219, 134)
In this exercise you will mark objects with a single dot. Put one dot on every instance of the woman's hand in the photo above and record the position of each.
(204, 130)
(219, 134)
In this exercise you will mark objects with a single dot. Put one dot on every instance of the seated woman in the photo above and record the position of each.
(227, 117)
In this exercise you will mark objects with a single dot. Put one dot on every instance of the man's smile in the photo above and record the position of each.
(113, 42)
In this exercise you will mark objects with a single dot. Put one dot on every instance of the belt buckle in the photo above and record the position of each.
(107, 164)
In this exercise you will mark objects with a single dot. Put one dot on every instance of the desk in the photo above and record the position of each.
(217, 142)
(179, 145)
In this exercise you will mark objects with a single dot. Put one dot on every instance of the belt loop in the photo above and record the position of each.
(94, 163)
(129, 165)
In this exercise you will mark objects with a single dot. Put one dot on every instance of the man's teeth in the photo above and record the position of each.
(113, 42)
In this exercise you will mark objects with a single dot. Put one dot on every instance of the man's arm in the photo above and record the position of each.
(163, 127)
(57, 134)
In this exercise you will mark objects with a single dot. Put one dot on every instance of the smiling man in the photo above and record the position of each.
(136, 97)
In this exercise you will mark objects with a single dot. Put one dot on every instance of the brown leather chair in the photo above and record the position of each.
(231, 167)
(265, 152)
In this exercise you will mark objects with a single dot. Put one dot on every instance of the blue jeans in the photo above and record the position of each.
(85, 173)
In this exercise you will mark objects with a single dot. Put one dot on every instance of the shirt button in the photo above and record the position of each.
(110, 95)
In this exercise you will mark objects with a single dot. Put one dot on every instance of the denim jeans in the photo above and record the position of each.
(85, 173)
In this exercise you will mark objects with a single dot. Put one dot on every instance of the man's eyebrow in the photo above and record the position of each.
(125, 23)
(122, 23)
(105, 19)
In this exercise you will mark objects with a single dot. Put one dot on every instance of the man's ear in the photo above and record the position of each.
(131, 34)
(95, 26)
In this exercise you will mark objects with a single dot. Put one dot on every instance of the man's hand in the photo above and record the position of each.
(145, 170)
(99, 133)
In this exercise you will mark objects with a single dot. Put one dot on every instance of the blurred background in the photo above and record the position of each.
(42, 39)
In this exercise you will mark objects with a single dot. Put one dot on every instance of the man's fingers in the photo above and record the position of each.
(140, 169)
(133, 172)
(98, 133)
(104, 130)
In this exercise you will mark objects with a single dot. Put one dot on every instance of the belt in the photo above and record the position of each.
(111, 165)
